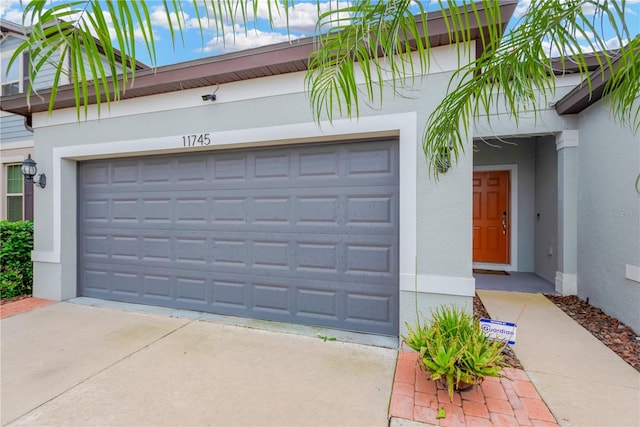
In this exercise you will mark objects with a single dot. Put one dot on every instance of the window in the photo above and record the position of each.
(14, 193)
(12, 78)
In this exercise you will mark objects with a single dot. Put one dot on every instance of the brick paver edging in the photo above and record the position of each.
(508, 401)
(23, 305)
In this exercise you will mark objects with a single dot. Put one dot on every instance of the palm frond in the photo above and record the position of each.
(517, 72)
(363, 48)
(98, 40)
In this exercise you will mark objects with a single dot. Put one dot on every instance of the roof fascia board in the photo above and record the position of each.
(583, 95)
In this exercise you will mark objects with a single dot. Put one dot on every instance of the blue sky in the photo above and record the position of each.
(302, 22)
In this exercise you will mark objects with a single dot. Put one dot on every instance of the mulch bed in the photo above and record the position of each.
(12, 299)
(610, 331)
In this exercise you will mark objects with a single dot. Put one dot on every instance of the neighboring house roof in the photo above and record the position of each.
(271, 60)
(11, 27)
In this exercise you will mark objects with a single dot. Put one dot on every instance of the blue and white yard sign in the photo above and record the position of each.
(499, 330)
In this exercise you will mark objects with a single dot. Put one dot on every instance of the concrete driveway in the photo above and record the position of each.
(72, 364)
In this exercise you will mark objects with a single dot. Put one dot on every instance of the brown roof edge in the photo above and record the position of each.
(12, 27)
(582, 96)
(266, 60)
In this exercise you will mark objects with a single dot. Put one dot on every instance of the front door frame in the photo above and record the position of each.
(513, 221)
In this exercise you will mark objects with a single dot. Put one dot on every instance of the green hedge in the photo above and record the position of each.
(16, 268)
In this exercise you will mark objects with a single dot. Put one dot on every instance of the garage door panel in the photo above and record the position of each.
(229, 295)
(297, 234)
(365, 308)
(295, 206)
(316, 256)
(271, 254)
(271, 166)
(96, 210)
(190, 171)
(272, 209)
(369, 259)
(313, 166)
(230, 167)
(95, 175)
(312, 256)
(125, 210)
(229, 211)
(96, 281)
(317, 303)
(127, 173)
(271, 297)
(191, 289)
(317, 210)
(124, 247)
(329, 304)
(369, 161)
(126, 283)
(318, 164)
(157, 286)
(370, 209)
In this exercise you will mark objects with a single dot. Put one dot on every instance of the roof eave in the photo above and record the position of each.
(233, 66)
(584, 95)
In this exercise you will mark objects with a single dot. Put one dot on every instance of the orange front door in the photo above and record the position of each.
(491, 217)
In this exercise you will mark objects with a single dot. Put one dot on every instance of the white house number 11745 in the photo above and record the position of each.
(195, 140)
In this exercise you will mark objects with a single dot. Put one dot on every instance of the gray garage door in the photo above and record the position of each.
(303, 234)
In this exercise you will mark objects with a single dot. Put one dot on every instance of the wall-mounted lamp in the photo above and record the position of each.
(443, 158)
(211, 96)
(29, 170)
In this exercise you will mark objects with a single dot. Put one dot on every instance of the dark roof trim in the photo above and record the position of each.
(11, 27)
(568, 65)
(583, 96)
(264, 61)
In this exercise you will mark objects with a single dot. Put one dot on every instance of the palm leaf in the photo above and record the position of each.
(358, 56)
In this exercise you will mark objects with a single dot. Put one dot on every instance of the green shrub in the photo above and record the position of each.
(16, 268)
(453, 347)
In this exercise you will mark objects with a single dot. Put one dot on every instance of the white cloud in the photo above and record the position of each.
(585, 36)
(553, 52)
(235, 40)
(587, 8)
(13, 15)
(303, 17)
(140, 37)
(159, 18)
(522, 8)
(11, 10)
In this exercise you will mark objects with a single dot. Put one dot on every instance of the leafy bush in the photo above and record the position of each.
(453, 347)
(16, 268)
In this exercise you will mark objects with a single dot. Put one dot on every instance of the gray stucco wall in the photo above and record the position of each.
(546, 208)
(608, 215)
(521, 152)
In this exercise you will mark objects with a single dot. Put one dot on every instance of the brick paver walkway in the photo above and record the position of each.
(23, 305)
(508, 401)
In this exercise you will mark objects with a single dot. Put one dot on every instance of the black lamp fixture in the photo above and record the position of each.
(443, 158)
(29, 170)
